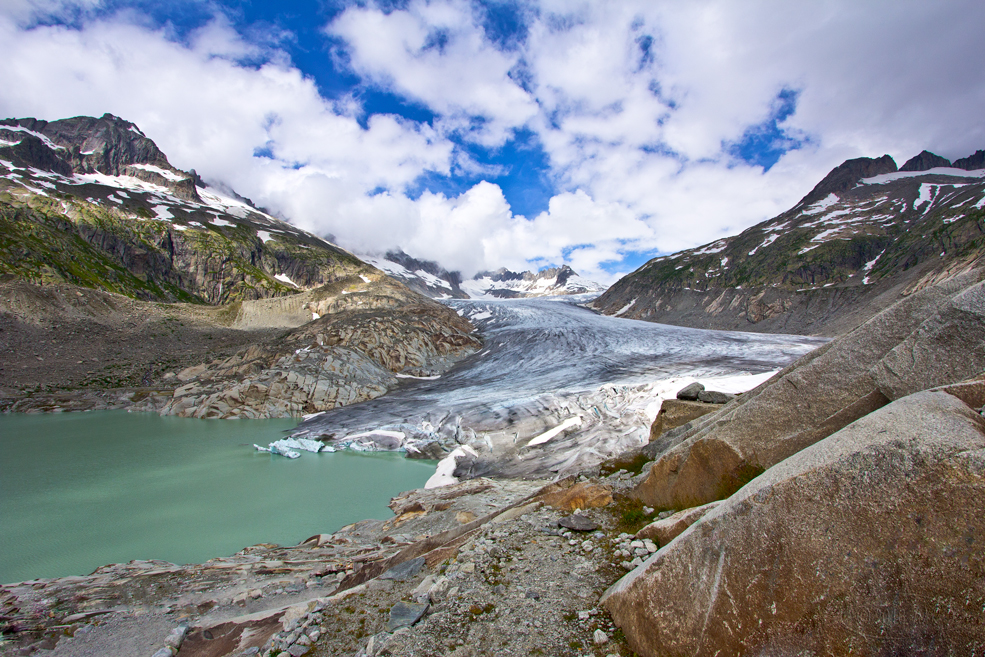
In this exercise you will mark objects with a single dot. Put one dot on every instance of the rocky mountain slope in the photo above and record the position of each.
(95, 203)
(424, 276)
(863, 237)
(97, 228)
(433, 280)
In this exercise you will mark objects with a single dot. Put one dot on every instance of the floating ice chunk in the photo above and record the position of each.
(275, 448)
(287, 446)
(303, 444)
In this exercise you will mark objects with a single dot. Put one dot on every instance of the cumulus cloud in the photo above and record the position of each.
(641, 109)
(436, 53)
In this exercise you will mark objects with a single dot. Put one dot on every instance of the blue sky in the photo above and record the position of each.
(518, 133)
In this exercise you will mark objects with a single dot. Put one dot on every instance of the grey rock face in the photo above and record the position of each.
(845, 175)
(350, 355)
(675, 413)
(868, 534)
(664, 530)
(714, 397)
(847, 250)
(948, 347)
(924, 161)
(823, 392)
(169, 244)
(971, 163)
(690, 392)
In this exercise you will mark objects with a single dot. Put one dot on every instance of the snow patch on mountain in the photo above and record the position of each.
(164, 173)
(940, 171)
(822, 205)
(47, 142)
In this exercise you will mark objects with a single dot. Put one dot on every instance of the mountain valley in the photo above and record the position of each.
(816, 496)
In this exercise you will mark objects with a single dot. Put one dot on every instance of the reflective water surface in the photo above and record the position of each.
(80, 490)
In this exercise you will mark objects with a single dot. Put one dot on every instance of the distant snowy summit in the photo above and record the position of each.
(505, 284)
(430, 278)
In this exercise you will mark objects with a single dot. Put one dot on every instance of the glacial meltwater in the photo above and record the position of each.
(80, 490)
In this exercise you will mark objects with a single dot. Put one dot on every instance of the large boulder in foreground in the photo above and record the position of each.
(933, 337)
(867, 543)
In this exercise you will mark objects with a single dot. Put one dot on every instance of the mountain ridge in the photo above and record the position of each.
(866, 235)
(431, 279)
(95, 202)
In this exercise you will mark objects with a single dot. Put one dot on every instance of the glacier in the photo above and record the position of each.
(555, 388)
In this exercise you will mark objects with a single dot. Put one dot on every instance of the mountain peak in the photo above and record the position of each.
(108, 145)
(844, 176)
(971, 163)
(925, 161)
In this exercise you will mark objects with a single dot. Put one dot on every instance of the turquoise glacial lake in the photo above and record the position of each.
(81, 490)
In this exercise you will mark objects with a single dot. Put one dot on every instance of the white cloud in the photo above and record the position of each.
(435, 53)
(636, 139)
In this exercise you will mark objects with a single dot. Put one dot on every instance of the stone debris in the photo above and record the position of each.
(405, 614)
(404, 571)
(336, 360)
(578, 523)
